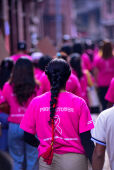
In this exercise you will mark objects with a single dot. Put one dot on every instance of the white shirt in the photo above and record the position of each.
(103, 133)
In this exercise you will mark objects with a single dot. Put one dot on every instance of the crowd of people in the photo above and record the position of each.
(47, 106)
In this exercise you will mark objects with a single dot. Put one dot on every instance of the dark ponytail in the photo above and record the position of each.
(58, 72)
(75, 62)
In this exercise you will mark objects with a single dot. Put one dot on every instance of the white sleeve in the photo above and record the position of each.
(99, 132)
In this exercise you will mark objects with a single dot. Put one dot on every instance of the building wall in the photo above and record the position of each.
(88, 18)
(107, 18)
(57, 18)
(30, 20)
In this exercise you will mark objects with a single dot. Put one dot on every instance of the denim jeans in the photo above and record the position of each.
(4, 136)
(25, 156)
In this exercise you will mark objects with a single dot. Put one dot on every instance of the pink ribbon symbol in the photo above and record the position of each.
(57, 122)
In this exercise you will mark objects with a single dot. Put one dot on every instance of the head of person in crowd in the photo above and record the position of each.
(107, 50)
(43, 62)
(58, 72)
(21, 47)
(62, 55)
(66, 38)
(75, 63)
(66, 47)
(88, 44)
(35, 58)
(6, 67)
(77, 47)
(22, 80)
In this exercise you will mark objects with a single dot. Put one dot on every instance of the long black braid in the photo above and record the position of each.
(54, 93)
(58, 72)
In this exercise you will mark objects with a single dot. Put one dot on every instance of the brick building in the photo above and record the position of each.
(88, 18)
(107, 18)
(30, 20)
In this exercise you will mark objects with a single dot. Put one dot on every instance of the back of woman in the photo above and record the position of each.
(6, 67)
(18, 92)
(59, 118)
(75, 62)
(104, 71)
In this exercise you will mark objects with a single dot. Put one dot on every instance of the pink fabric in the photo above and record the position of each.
(72, 85)
(110, 93)
(86, 63)
(2, 99)
(37, 73)
(83, 84)
(16, 110)
(105, 69)
(72, 117)
(17, 56)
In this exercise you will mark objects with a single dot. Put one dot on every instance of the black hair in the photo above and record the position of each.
(62, 55)
(21, 45)
(75, 62)
(66, 49)
(43, 62)
(6, 67)
(22, 80)
(77, 48)
(107, 50)
(58, 72)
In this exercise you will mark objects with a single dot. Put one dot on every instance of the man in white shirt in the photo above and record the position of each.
(103, 136)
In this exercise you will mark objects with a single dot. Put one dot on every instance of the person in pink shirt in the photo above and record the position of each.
(110, 93)
(40, 66)
(62, 122)
(6, 67)
(18, 92)
(85, 81)
(87, 56)
(75, 63)
(104, 72)
(72, 84)
(21, 47)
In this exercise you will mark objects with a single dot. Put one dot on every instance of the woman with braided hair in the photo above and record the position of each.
(62, 123)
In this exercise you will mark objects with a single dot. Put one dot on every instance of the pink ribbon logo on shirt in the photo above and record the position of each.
(57, 122)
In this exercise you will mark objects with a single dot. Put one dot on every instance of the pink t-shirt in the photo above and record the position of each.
(105, 69)
(86, 62)
(84, 84)
(2, 99)
(37, 73)
(72, 85)
(17, 56)
(16, 110)
(110, 93)
(72, 117)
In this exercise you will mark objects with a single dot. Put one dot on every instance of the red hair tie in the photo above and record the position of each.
(54, 105)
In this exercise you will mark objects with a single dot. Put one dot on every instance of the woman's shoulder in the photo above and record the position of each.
(7, 85)
(72, 97)
(43, 97)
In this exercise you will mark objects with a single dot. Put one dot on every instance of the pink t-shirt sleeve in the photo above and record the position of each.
(5, 91)
(85, 121)
(110, 93)
(2, 99)
(45, 84)
(73, 85)
(28, 122)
